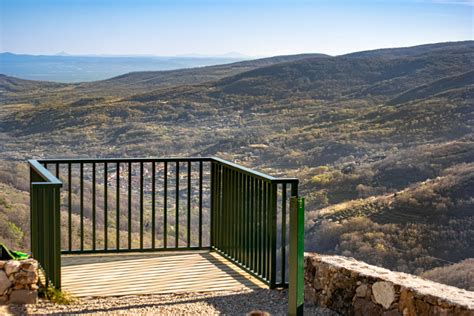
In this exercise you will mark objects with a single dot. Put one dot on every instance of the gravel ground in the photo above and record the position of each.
(210, 303)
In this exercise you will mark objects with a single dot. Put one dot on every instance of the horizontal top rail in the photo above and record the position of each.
(49, 178)
(174, 159)
(103, 160)
(253, 172)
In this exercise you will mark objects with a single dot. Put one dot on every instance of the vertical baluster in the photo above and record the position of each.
(228, 210)
(265, 237)
(273, 236)
(188, 234)
(69, 212)
(82, 204)
(260, 227)
(129, 221)
(215, 232)
(200, 205)
(224, 209)
(231, 223)
(218, 215)
(106, 197)
(283, 233)
(141, 205)
(165, 205)
(220, 205)
(177, 206)
(153, 195)
(241, 217)
(257, 228)
(93, 207)
(117, 199)
(268, 230)
(236, 216)
(271, 230)
(254, 223)
(246, 220)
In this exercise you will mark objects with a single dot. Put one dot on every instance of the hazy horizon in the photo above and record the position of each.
(230, 55)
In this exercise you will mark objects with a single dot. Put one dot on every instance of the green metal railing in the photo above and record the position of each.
(155, 204)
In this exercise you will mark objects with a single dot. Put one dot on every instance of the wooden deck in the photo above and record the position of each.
(152, 273)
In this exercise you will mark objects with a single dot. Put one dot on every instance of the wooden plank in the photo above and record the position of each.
(153, 273)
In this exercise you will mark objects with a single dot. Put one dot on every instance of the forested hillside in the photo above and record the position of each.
(382, 140)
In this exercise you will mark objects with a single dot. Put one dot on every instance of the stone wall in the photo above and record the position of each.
(352, 287)
(18, 282)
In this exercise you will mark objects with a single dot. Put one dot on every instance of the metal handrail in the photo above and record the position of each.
(168, 159)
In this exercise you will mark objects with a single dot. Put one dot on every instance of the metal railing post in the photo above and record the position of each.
(45, 222)
(296, 260)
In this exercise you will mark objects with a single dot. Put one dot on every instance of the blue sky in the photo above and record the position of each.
(255, 28)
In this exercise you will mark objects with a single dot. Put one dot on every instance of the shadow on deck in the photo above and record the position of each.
(152, 273)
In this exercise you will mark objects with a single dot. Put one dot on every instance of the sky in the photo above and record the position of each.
(214, 27)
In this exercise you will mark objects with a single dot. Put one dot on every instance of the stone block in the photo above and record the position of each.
(26, 277)
(361, 290)
(29, 265)
(5, 283)
(11, 267)
(23, 297)
(384, 293)
(365, 307)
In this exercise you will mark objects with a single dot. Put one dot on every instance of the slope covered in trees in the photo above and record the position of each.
(384, 137)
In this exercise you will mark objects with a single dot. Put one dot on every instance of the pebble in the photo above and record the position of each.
(201, 303)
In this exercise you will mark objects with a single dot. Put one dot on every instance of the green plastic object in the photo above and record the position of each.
(7, 254)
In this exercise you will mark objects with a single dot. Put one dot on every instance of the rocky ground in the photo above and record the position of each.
(209, 303)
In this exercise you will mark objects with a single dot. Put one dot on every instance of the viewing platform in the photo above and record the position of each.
(127, 226)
